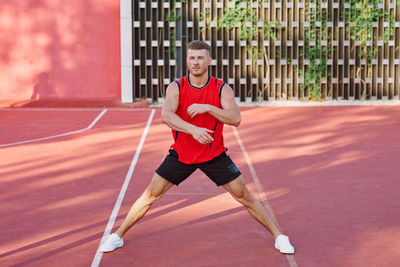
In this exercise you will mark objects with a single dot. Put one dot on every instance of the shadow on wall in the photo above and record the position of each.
(59, 49)
(43, 89)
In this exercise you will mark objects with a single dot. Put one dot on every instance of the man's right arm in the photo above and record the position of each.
(169, 117)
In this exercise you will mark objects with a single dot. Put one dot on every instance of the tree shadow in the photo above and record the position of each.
(34, 193)
(96, 236)
(340, 165)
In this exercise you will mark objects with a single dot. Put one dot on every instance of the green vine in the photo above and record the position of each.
(206, 18)
(362, 14)
(172, 17)
(360, 17)
(246, 18)
(314, 51)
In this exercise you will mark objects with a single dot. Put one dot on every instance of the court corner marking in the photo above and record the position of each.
(58, 135)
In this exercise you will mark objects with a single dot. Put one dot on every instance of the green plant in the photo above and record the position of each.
(172, 17)
(360, 18)
(314, 51)
(247, 19)
(206, 18)
(244, 16)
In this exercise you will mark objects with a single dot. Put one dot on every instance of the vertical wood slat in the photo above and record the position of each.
(301, 44)
(389, 72)
(289, 50)
(278, 51)
(165, 45)
(148, 38)
(135, 49)
(397, 54)
(142, 52)
(272, 53)
(348, 89)
(295, 57)
(154, 53)
(157, 61)
(379, 67)
(323, 36)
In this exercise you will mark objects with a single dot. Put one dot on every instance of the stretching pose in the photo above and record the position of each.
(196, 107)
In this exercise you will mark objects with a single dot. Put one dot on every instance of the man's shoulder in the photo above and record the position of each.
(180, 81)
(173, 88)
(217, 81)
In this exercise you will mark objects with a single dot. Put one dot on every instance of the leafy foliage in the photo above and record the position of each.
(244, 16)
(360, 17)
(314, 52)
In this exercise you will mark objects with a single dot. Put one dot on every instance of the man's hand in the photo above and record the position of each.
(202, 135)
(196, 109)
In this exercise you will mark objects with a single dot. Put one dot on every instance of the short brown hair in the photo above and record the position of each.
(198, 45)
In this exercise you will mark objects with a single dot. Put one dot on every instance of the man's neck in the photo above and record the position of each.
(198, 81)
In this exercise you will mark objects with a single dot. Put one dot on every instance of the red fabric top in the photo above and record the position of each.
(189, 150)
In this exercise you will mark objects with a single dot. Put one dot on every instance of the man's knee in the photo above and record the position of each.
(243, 195)
(157, 188)
(151, 196)
(239, 191)
(245, 198)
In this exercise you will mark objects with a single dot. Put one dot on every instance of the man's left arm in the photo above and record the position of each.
(229, 114)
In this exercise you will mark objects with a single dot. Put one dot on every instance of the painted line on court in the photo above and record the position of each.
(58, 135)
(117, 206)
(264, 200)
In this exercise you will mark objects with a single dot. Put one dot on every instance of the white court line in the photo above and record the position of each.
(290, 258)
(113, 217)
(58, 135)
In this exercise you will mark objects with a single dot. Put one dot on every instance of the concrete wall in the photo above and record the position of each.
(62, 49)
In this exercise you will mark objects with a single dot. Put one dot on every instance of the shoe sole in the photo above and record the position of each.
(118, 246)
(284, 252)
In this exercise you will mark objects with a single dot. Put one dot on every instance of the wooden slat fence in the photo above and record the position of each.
(162, 28)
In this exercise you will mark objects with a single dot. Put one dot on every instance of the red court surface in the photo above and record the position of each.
(330, 175)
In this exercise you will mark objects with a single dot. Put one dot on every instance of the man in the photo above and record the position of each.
(195, 108)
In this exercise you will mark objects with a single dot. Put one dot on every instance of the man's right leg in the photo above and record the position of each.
(174, 172)
(157, 188)
(153, 192)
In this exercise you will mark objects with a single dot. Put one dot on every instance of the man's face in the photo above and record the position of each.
(198, 61)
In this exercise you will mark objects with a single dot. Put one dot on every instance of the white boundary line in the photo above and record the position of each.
(114, 214)
(290, 258)
(58, 135)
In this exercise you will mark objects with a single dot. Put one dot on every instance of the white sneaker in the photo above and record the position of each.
(282, 243)
(112, 242)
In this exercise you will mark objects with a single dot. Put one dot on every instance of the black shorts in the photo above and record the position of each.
(221, 169)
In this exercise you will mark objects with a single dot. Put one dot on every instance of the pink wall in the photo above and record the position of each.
(64, 49)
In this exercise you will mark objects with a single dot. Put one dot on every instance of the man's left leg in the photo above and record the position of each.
(240, 192)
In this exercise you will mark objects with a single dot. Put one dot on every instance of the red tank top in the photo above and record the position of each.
(189, 150)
